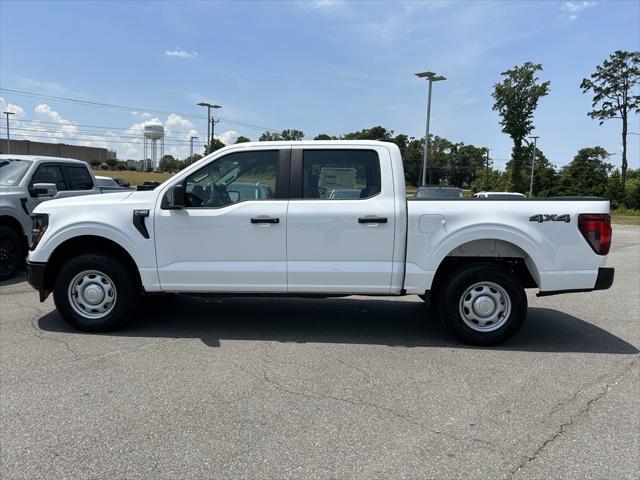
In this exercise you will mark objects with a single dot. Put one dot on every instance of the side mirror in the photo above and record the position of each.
(43, 190)
(234, 196)
(174, 198)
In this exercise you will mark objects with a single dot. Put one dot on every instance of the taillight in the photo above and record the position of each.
(596, 230)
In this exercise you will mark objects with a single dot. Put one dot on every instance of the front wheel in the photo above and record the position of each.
(483, 304)
(11, 252)
(96, 293)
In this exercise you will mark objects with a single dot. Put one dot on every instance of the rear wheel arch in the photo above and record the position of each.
(488, 251)
(88, 244)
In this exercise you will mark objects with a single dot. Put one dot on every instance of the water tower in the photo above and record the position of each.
(152, 133)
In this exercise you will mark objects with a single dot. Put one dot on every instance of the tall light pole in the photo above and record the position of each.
(8, 137)
(486, 175)
(533, 162)
(209, 107)
(191, 139)
(432, 77)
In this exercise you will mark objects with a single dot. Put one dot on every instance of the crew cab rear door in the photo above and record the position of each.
(341, 220)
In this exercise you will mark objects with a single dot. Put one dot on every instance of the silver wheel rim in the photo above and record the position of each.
(92, 294)
(485, 306)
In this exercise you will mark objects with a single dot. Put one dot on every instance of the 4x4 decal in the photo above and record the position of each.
(550, 218)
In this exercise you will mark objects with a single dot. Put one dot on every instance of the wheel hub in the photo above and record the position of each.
(92, 294)
(485, 306)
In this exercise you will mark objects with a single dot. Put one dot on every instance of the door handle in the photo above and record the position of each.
(265, 220)
(372, 220)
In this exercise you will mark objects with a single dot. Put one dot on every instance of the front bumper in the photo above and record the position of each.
(35, 277)
(604, 280)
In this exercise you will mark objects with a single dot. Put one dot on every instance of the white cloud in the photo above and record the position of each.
(179, 52)
(326, 4)
(45, 112)
(10, 107)
(228, 137)
(577, 6)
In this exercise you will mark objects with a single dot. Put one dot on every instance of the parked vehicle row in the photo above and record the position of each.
(326, 218)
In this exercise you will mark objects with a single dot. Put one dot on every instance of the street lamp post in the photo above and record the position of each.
(8, 137)
(191, 139)
(432, 77)
(209, 107)
(533, 162)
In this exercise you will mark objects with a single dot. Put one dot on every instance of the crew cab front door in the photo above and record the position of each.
(231, 234)
(341, 220)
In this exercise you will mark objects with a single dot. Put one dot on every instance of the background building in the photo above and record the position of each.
(92, 155)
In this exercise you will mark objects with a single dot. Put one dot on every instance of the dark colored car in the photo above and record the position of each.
(439, 193)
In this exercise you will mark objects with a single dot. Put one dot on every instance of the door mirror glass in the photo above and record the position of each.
(174, 198)
(43, 190)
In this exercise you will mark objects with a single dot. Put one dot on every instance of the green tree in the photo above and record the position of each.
(587, 174)
(613, 84)
(324, 136)
(516, 99)
(545, 176)
(242, 139)
(292, 134)
(288, 134)
(215, 145)
(269, 137)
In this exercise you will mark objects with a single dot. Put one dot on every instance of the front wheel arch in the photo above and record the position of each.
(88, 244)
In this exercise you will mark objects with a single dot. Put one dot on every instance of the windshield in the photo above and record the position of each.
(12, 170)
(439, 193)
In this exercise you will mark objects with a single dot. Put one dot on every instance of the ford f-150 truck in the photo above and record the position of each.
(197, 234)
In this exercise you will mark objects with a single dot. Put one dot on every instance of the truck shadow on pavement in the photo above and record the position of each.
(342, 320)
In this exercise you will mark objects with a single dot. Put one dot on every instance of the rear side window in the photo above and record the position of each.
(49, 174)
(340, 174)
(79, 178)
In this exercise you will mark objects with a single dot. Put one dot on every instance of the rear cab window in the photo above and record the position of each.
(347, 174)
(79, 177)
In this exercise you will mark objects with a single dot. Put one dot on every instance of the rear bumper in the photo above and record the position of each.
(35, 277)
(604, 281)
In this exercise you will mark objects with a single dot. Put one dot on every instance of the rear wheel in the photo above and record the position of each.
(95, 293)
(483, 304)
(11, 252)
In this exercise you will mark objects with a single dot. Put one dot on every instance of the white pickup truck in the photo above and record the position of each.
(197, 234)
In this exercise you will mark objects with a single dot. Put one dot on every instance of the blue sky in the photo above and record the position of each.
(319, 66)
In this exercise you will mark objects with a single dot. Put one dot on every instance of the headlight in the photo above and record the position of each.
(40, 224)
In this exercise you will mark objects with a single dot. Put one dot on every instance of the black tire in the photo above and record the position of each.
(508, 298)
(11, 252)
(114, 277)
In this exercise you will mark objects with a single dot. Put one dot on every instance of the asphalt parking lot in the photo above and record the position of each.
(337, 388)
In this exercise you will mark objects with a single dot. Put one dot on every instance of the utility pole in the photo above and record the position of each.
(8, 137)
(209, 107)
(213, 130)
(432, 77)
(486, 175)
(191, 139)
(533, 162)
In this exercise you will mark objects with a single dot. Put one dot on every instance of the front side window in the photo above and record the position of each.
(49, 174)
(340, 174)
(237, 177)
(79, 178)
